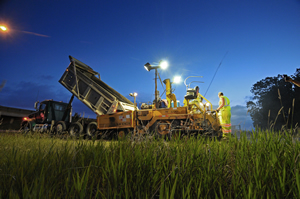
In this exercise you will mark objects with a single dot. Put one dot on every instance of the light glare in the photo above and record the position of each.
(164, 65)
(3, 28)
(177, 79)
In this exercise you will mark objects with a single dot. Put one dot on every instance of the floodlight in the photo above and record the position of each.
(134, 97)
(133, 94)
(177, 79)
(147, 66)
(163, 65)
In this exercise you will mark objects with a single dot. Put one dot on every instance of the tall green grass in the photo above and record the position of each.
(264, 166)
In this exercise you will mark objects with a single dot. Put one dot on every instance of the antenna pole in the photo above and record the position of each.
(216, 72)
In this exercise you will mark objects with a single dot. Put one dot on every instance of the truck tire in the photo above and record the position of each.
(163, 129)
(60, 127)
(76, 130)
(91, 130)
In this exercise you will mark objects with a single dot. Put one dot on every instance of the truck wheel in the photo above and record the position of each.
(76, 130)
(162, 129)
(60, 127)
(91, 130)
(25, 128)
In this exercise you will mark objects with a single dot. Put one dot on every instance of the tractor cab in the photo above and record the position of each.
(46, 112)
(52, 110)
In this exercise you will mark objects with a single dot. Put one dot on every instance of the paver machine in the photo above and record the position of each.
(118, 116)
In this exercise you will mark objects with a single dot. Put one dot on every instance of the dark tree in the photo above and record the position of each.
(275, 103)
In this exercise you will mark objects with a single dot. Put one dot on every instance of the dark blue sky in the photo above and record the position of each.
(116, 38)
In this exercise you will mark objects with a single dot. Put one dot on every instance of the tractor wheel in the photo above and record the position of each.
(76, 130)
(91, 130)
(176, 132)
(59, 127)
(163, 129)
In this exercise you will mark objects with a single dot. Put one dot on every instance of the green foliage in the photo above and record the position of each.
(276, 103)
(264, 165)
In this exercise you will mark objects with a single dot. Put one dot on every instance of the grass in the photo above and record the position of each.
(36, 166)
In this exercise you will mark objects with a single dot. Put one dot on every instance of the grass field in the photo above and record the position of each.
(37, 166)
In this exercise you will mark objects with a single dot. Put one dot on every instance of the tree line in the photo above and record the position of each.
(275, 103)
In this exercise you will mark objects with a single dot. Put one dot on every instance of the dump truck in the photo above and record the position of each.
(118, 116)
(56, 116)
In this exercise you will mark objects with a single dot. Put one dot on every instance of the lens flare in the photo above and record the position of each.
(164, 65)
(3, 28)
(177, 79)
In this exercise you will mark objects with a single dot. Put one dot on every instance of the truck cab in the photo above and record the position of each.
(47, 114)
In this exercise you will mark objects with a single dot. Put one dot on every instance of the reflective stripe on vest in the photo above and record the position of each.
(227, 102)
(226, 125)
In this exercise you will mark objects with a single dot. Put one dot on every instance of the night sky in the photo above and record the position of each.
(254, 39)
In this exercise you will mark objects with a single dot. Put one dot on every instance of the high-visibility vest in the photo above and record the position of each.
(227, 102)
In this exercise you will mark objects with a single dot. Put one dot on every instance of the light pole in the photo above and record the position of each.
(163, 65)
(134, 99)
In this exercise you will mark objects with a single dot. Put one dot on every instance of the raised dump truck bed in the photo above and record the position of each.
(81, 80)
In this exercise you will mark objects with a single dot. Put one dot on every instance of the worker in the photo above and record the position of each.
(224, 115)
(198, 100)
(288, 79)
(163, 103)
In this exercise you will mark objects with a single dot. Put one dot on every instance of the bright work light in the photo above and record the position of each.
(133, 94)
(177, 79)
(163, 65)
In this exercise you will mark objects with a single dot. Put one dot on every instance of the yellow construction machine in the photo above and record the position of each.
(118, 116)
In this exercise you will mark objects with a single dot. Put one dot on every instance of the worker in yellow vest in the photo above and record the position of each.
(224, 115)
